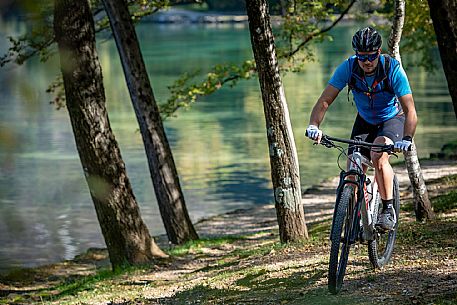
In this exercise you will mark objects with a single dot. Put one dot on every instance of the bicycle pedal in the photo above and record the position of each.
(381, 230)
(361, 239)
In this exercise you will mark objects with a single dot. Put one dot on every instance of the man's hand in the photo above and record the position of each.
(403, 145)
(314, 133)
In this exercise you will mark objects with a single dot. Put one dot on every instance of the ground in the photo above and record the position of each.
(240, 261)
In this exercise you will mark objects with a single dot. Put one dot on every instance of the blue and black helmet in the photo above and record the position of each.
(366, 40)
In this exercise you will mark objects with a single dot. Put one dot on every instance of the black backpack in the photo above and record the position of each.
(382, 77)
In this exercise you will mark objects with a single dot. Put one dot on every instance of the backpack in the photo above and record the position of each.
(381, 77)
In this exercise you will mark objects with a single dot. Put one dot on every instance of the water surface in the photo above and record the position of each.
(219, 144)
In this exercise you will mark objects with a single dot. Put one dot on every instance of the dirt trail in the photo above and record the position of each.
(318, 203)
(294, 275)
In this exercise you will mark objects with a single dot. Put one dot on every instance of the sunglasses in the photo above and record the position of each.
(370, 57)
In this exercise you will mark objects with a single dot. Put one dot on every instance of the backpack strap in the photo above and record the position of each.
(357, 70)
(351, 83)
(386, 82)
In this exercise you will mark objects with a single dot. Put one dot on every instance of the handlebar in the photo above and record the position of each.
(357, 142)
(328, 142)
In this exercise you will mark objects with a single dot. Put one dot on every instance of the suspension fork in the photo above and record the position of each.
(359, 208)
(358, 183)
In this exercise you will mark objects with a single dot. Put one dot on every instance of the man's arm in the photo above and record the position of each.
(320, 108)
(407, 103)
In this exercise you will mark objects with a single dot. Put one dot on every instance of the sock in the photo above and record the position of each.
(387, 203)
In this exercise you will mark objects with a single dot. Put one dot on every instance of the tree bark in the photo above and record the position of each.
(422, 205)
(283, 155)
(126, 236)
(162, 167)
(444, 17)
(285, 4)
(397, 29)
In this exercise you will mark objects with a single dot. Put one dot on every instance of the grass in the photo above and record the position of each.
(197, 246)
(71, 286)
(445, 202)
(258, 269)
(237, 277)
(440, 203)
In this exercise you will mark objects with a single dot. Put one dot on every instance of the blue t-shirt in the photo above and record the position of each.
(381, 106)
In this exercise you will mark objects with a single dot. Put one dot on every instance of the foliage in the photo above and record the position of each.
(305, 18)
(184, 92)
(418, 38)
(56, 89)
(311, 22)
(303, 23)
(419, 35)
(39, 37)
(37, 40)
(306, 21)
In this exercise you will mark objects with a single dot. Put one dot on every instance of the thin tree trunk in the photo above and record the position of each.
(444, 17)
(397, 29)
(422, 205)
(162, 167)
(283, 156)
(285, 4)
(126, 236)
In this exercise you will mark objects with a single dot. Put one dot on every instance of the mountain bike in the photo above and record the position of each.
(357, 207)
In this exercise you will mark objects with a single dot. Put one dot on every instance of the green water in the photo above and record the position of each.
(219, 144)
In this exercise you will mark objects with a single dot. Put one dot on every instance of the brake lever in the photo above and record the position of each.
(327, 143)
(394, 154)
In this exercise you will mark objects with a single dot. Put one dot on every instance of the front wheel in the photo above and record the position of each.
(340, 238)
(380, 249)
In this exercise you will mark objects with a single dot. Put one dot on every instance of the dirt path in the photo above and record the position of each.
(258, 270)
(318, 202)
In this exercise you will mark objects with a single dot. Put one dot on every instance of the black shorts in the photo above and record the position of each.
(392, 129)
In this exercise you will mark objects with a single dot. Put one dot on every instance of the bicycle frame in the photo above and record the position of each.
(363, 206)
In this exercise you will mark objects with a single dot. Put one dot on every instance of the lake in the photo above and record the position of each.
(219, 144)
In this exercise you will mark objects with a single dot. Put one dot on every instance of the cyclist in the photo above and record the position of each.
(385, 105)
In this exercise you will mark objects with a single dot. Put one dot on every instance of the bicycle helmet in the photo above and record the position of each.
(366, 40)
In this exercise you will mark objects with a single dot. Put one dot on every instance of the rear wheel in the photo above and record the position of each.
(340, 238)
(380, 249)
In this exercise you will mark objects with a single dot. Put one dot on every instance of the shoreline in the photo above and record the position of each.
(318, 201)
(253, 226)
(263, 217)
(182, 16)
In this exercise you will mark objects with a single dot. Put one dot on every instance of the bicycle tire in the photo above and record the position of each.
(381, 248)
(340, 239)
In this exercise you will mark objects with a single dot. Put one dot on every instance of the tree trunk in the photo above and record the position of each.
(162, 167)
(422, 205)
(126, 236)
(283, 155)
(444, 17)
(397, 29)
(285, 4)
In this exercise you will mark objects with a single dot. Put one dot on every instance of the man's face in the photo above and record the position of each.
(364, 58)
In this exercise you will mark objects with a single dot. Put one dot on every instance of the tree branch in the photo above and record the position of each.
(319, 32)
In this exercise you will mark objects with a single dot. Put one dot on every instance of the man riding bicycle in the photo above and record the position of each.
(385, 105)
